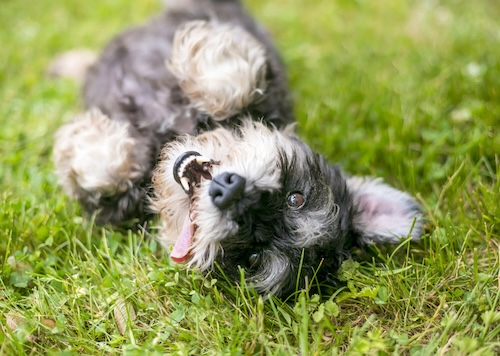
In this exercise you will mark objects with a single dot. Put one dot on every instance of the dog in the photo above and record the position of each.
(236, 191)
(201, 64)
(259, 199)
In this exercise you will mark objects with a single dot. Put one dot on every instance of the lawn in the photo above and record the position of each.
(405, 90)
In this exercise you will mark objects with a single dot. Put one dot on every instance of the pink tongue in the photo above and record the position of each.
(180, 252)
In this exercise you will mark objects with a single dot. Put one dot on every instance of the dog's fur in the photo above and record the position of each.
(279, 246)
(292, 215)
(202, 63)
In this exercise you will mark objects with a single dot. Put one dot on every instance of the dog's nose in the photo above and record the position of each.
(226, 189)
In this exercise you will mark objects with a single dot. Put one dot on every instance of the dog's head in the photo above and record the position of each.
(262, 200)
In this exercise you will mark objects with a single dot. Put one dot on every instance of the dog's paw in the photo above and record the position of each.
(72, 64)
(95, 157)
(220, 67)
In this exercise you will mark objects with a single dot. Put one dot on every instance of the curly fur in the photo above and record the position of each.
(220, 67)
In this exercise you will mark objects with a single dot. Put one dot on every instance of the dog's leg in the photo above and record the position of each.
(72, 64)
(101, 163)
(220, 67)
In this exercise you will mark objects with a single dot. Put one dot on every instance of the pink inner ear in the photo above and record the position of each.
(373, 206)
(383, 219)
(385, 214)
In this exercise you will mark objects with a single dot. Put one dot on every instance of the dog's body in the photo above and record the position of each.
(245, 192)
(221, 66)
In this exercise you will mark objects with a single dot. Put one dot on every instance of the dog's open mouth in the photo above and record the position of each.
(189, 169)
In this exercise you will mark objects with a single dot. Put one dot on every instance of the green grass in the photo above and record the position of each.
(405, 90)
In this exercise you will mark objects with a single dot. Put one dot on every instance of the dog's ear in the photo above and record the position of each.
(383, 214)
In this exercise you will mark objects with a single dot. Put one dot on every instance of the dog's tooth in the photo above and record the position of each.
(185, 183)
(201, 160)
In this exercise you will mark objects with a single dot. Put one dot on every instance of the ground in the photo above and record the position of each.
(405, 90)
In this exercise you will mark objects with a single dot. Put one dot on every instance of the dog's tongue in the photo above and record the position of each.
(180, 252)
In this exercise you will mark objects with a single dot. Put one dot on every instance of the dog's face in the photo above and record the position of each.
(261, 200)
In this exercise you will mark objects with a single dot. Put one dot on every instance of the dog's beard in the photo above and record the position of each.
(259, 231)
(292, 213)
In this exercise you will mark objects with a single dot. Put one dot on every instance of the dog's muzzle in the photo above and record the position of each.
(226, 189)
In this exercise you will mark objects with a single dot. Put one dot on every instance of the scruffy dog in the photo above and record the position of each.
(260, 199)
(201, 64)
(234, 186)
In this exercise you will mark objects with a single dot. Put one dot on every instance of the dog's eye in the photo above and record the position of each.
(295, 200)
(254, 260)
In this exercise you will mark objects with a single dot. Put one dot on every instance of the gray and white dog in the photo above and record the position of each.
(201, 64)
(260, 199)
(234, 186)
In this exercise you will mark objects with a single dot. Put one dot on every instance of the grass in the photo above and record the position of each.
(405, 90)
